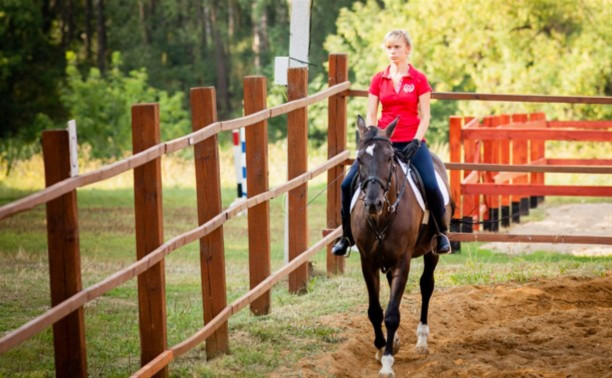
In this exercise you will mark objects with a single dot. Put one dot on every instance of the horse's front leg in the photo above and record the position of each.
(399, 277)
(427, 287)
(375, 312)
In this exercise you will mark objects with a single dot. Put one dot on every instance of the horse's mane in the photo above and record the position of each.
(370, 134)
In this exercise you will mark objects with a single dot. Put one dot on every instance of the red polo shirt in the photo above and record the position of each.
(404, 103)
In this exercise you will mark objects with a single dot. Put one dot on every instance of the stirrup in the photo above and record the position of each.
(347, 252)
(435, 250)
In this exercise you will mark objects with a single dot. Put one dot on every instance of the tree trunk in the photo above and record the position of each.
(101, 27)
(88, 30)
(221, 62)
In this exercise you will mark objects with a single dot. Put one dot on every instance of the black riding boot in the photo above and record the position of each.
(442, 242)
(342, 245)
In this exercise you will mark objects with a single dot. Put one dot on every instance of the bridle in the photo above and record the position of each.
(380, 232)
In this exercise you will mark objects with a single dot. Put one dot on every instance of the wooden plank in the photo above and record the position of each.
(51, 316)
(149, 235)
(538, 190)
(491, 151)
(606, 100)
(579, 162)
(533, 124)
(64, 258)
(336, 143)
(155, 365)
(504, 153)
(519, 152)
(522, 134)
(255, 95)
(208, 189)
(538, 149)
(471, 151)
(297, 145)
(338, 88)
(581, 124)
(454, 136)
(534, 168)
(514, 238)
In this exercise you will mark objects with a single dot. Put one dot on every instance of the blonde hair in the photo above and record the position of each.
(397, 34)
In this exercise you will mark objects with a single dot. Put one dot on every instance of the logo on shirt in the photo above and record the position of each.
(408, 88)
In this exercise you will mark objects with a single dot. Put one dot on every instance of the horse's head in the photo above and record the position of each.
(375, 158)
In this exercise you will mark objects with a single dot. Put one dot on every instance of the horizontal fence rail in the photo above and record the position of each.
(163, 359)
(605, 100)
(516, 238)
(530, 168)
(156, 151)
(51, 316)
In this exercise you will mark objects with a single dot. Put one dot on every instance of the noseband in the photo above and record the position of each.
(376, 179)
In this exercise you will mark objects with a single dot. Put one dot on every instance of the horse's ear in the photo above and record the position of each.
(361, 125)
(391, 127)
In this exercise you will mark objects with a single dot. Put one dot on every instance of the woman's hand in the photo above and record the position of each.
(410, 149)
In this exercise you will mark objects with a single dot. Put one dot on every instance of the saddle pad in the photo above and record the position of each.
(415, 189)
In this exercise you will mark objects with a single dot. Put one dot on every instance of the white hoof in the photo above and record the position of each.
(422, 334)
(379, 354)
(386, 371)
(396, 344)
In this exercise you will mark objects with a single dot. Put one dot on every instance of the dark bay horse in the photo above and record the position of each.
(385, 221)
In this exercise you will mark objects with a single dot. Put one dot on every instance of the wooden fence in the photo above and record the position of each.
(518, 139)
(68, 296)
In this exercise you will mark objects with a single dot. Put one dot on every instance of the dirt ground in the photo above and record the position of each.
(546, 328)
(593, 219)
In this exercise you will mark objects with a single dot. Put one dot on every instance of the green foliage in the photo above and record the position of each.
(101, 106)
(542, 46)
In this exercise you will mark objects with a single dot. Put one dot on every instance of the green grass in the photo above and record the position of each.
(259, 345)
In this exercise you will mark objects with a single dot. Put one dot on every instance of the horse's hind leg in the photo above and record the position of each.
(427, 286)
(375, 312)
(392, 315)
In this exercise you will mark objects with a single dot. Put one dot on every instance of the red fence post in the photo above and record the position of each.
(488, 158)
(297, 139)
(504, 119)
(336, 143)
(454, 136)
(520, 155)
(495, 199)
(64, 258)
(149, 235)
(255, 97)
(538, 154)
(208, 188)
(471, 203)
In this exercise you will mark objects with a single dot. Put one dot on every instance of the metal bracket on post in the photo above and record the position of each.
(72, 145)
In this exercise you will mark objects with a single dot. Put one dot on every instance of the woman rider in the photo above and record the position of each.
(405, 92)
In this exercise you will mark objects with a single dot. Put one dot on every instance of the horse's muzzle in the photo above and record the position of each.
(374, 207)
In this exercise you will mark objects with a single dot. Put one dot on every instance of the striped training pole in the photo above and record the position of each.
(240, 162)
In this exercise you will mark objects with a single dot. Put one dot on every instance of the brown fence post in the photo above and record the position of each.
(297, 142)
(149, 235)
(255, 96)
(208, 186)
(336, 143)
(64, 258)
(505, 159)
(538, 153)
